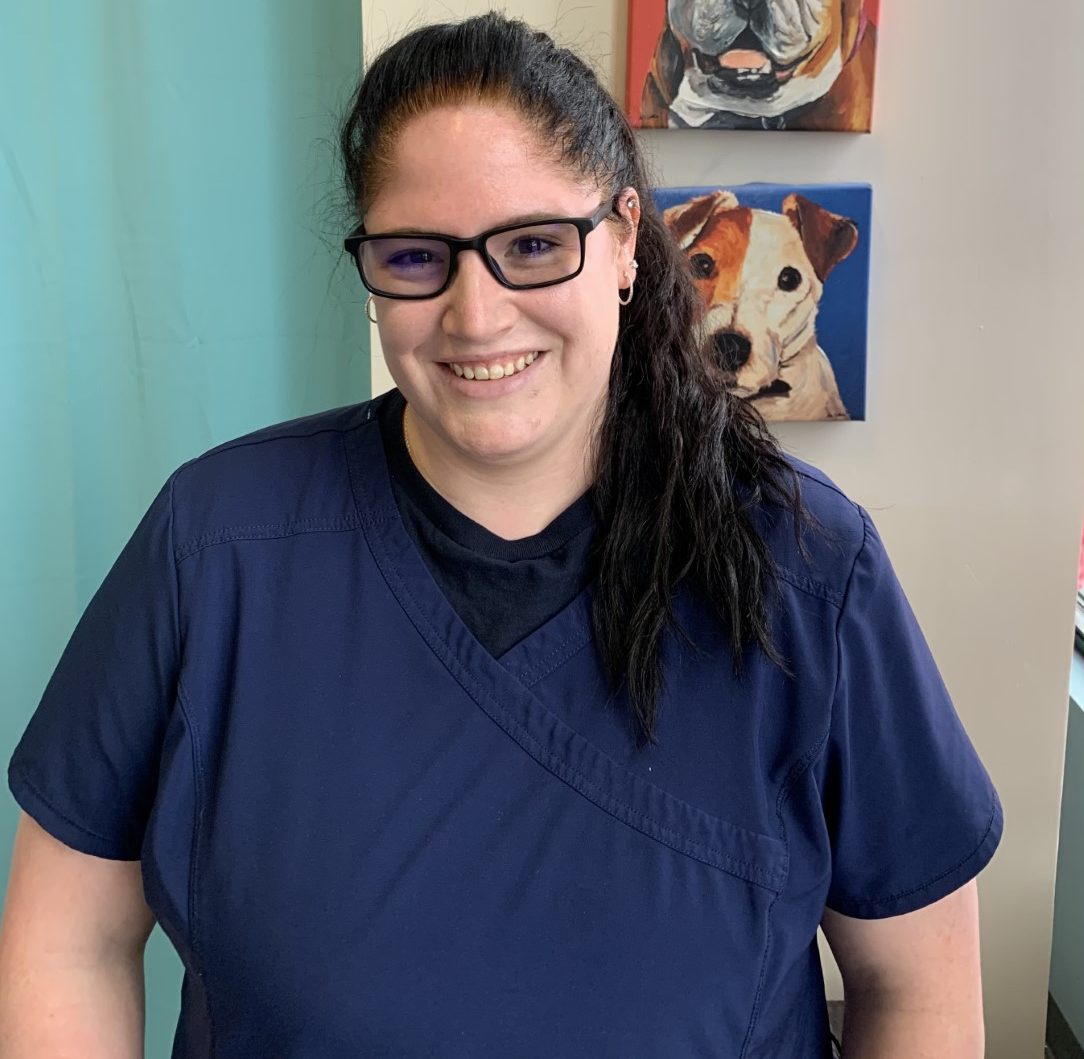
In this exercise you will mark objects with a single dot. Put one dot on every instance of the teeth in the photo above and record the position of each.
(497, 370)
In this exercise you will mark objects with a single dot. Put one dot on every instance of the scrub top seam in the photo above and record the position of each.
(557, 657)
(349, 457)
(811, 587)
(620, 810)
(839, 617)
(264, 531)
(195, 847)
(754, 1014)
(649, 826)
(797, 770)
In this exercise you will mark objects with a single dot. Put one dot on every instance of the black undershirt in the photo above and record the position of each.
(503, 590)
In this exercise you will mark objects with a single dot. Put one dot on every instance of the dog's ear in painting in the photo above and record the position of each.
(662, 82)
(827, 237)
(853, 23)
(686, 221)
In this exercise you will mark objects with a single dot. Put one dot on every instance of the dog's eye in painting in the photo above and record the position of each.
(703, 266)
(790, 279)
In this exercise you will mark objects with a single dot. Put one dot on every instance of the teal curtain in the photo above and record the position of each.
(170, 277)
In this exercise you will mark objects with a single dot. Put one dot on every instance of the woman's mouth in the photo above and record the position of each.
(498, 368)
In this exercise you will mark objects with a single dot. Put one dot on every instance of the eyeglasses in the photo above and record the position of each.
(520, 256)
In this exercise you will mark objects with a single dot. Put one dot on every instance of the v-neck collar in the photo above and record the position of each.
(408, 576)
(504, 688)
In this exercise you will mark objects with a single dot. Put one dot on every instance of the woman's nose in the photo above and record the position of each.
(477, 307)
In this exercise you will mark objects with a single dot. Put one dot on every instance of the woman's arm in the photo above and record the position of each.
(912, 984)
(71, 953)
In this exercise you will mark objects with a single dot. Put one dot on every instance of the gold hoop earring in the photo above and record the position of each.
(625, 301)
(369, 305)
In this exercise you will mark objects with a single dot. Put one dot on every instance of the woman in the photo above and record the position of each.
(540, 707)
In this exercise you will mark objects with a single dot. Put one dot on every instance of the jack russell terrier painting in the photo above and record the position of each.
(752, 64)
(783, 271)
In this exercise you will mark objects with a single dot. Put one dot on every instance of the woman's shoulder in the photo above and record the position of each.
(833, 531)
(282, 479)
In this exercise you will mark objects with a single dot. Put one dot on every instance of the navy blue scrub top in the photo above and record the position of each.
(366, 836)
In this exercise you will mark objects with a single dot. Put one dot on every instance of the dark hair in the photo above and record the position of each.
(681, 462)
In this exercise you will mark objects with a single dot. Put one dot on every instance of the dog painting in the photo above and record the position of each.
(784, 276)
(752, 64)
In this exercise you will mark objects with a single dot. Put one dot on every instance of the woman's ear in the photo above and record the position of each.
(628, 205)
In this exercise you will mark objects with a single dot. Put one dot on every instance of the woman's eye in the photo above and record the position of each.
(790, 279)
(531, 246)
(703, 266)
(406, 259)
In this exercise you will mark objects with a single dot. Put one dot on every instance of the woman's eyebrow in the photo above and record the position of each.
(532, 218)
(526, 218)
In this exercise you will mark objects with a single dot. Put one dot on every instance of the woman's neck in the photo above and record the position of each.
(511, 500)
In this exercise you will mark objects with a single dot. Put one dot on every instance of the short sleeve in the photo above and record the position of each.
(911, 812)
(86, 768)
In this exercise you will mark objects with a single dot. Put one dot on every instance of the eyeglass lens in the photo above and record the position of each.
(524, 257)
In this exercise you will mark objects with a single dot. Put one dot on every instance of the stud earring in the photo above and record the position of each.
(370, 306)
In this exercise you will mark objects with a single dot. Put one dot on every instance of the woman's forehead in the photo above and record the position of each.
(464, 168)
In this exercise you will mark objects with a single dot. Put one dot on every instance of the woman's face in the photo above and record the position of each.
(460, 171)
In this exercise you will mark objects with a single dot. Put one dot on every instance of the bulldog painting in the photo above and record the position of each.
(752, 64)
(761, 256)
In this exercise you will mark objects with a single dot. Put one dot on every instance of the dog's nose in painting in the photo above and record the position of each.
(733, 349)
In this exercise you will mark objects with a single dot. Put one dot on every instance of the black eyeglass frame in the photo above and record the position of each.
(584, 225)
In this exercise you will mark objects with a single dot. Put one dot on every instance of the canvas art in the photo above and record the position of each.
(783, 271)
(752, 64)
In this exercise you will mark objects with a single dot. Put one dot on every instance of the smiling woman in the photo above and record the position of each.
(540, 707)
(484, 305)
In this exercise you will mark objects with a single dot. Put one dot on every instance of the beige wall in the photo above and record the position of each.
(972, 461)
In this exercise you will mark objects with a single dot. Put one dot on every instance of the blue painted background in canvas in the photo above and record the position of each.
(842, 321)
